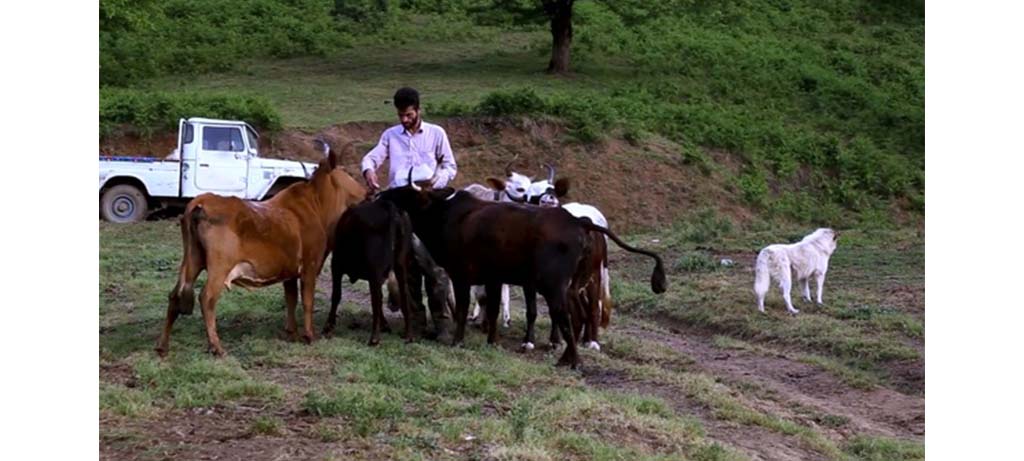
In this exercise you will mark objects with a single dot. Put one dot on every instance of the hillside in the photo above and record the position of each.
(819, 108)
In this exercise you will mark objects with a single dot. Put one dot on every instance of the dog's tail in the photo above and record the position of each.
(762, 273)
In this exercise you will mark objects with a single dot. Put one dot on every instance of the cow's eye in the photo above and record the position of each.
(520, 189)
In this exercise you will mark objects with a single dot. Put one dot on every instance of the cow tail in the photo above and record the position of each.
(658, 283)
(193, 261)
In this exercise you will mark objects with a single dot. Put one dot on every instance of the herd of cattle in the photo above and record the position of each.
(482, 238)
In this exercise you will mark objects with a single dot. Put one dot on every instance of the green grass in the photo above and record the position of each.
(430, 400)
(881, 448)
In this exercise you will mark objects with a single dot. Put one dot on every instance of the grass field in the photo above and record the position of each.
(693, 374)
(357, 85)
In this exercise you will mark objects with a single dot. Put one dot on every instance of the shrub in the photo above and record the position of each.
(148, 112)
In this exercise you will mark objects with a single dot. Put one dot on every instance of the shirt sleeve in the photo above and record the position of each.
(446, 168)
(373, 159)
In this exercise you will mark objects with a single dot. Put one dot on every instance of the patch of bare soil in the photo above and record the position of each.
(220, 432)
(788, 388)
(640, 185)
(756, 442)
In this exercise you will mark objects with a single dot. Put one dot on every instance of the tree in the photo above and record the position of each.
(558, 13)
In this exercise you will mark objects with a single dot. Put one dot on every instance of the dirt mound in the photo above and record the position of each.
(640, 185)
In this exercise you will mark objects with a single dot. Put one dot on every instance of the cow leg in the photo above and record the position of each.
(555, 338)
(557, 304)
(530, 297)
(414, 281)
(476, 303)
(593, 306)
(505, 315)
(163, 344)
(461, 311)
(291, 298)
(376, 302)
(438, 317)
(332, 317)
(208, 298)
(493, 303)
(403, 301)
(308, 291)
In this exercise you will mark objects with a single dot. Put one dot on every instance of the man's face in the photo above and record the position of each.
(410, 117)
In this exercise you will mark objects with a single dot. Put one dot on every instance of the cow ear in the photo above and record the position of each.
(561, 187)
(496, 184)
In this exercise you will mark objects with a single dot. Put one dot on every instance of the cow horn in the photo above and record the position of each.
(322, 145)
(508, 168)
(411, 183)
(551, 173)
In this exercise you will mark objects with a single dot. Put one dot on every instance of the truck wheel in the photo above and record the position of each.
(123, 203)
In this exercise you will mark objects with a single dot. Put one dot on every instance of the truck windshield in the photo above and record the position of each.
(222, 139)
(254, 143)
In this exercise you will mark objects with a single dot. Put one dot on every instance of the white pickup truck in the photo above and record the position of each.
(218, 156)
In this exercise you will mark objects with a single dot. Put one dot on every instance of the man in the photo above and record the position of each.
(424, 148)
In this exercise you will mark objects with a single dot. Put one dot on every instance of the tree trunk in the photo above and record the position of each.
(560, 12)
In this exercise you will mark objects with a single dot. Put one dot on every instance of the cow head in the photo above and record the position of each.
(416, 196)
(514, 185)
(547, 193)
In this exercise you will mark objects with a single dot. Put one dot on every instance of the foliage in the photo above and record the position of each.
(147, 111)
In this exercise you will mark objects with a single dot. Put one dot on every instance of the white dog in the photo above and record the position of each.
(804, 259)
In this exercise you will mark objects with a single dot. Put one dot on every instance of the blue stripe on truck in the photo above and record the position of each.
(131, 159)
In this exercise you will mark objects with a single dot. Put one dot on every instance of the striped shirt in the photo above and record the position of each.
(427, 152)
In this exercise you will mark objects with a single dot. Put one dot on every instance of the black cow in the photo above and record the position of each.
(491, 243)
(371, 240)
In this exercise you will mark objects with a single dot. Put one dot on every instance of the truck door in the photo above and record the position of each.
(222, 161)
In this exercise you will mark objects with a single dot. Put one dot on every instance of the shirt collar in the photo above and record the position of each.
(407, 133)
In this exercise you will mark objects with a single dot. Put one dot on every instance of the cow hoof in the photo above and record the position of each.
(373, 342)
(216, 351)
(327, 333)
(458, 344)
(793, 312)
(554, 346)
(308, 339)
(161, 352)
(473, 318)
(527, 346)
(594, 345)
(507, 324)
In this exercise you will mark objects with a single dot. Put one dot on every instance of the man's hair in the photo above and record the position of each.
(406, 97)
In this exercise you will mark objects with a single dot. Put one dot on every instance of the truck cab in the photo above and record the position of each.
(215, 156)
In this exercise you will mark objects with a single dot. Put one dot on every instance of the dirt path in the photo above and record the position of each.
(776, 385)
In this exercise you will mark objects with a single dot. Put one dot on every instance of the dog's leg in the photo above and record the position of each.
(786, 283)
(807, 288)
(821, 284)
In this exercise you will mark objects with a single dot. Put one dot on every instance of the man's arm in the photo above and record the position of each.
(373, 160)
(446, 167)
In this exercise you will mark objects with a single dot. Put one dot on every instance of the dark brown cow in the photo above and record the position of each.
(255, 244)
(490, 243)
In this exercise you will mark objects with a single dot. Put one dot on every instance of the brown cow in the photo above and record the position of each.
(255, 244)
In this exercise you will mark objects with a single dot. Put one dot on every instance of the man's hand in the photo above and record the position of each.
(371, 180)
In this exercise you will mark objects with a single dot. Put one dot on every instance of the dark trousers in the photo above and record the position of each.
(418, 278)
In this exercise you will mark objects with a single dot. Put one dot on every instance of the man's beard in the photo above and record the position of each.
(412, 125)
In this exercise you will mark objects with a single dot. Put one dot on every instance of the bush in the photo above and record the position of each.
(148, 112)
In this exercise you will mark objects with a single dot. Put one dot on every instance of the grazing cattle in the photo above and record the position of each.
(254, 244)
(491, 243)
(597, 304)
(513, 189)
(804, 259)
(371, 240)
